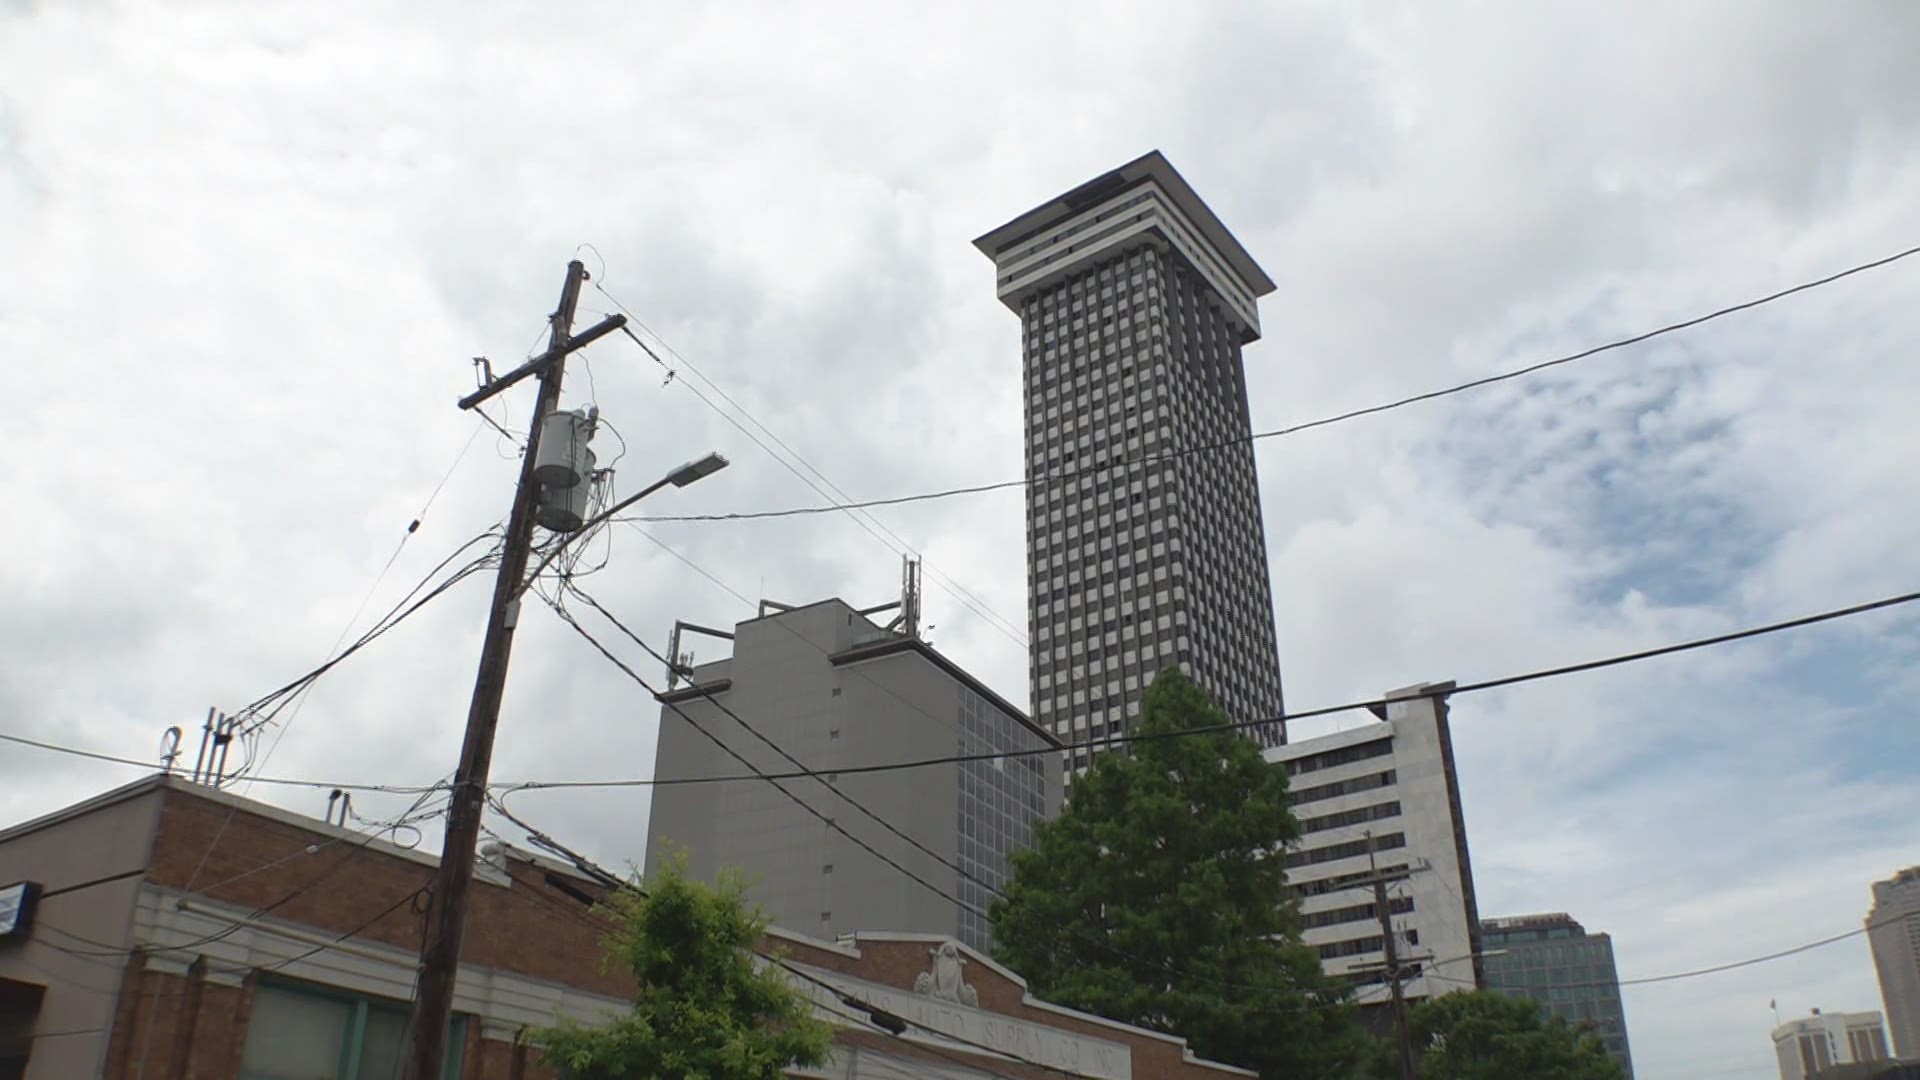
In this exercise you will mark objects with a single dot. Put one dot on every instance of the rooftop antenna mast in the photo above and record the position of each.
(216, 738)
(910, 596)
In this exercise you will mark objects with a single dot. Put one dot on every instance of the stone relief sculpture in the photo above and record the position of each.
(942, 979)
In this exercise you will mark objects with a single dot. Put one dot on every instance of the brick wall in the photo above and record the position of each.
(346, 883)
(185, 1027)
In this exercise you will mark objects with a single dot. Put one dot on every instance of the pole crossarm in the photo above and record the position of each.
(539, 363)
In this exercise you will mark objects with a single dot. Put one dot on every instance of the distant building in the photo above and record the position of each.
(1145, 548)
(838, 691)
(185, 932)
(1893, 931)
(1811, 1046)
(1554, 961)
(1384, 798)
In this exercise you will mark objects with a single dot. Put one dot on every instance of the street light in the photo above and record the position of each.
(696, 470)
(681, 476)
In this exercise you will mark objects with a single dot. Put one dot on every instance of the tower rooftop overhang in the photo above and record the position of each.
(1008, 244)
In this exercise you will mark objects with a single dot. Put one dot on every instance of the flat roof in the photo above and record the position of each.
(874, 650)
(1152, 165)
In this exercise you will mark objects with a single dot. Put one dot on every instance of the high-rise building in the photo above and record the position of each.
(1893, 931)
(1552, 959)
(1381, 800)
(1145, 549)
(838, 691)
(1810, 1047)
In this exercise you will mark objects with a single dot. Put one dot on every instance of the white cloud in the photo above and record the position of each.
(253, 251)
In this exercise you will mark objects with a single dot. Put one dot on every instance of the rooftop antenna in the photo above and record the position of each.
(910, 596)
(679, 663)
(345, 801)
(169, 747)
(216, 739)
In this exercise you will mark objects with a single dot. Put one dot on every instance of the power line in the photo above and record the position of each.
(796, 634)
(407, 817)
(600, 874)
(247, 969)
(1695, 973)
(1241, 725)
(960, 592)
(1274, 433)
(886, 1021)
(1782, 954)
(394, 617)
(967, 598)
(874, 1013)
(795, 762)
(413, 526)
(830, 822)
(568, 618)
(344, 785)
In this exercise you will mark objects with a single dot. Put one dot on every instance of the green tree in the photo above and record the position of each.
(1482, 1035)
(1158, 898)
(703, 1009)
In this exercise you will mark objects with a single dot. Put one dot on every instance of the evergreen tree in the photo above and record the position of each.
(1158, 898)
(704, 1009)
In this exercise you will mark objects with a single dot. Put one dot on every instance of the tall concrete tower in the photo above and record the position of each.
(1145, 548)
(1893, 932)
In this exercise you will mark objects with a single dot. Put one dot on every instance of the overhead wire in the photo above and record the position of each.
(277, 965)
(798, 636)
(393, 618)
(410, 816)
(396, 615)
(830, 822)
(967, 598)
(344, 785)
(413, 526)
(789, 758)
(601, 874)
(1293, 429)
(1483, 685)
(1242, 725)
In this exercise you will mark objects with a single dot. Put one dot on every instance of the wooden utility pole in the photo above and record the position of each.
(1405, 1036)
(447, 905)
(1391, 948)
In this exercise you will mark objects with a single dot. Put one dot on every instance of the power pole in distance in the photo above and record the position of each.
(1405, 1036)
(447, 905)
(1391, 948)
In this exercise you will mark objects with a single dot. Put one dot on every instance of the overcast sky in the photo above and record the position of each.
(250, 250)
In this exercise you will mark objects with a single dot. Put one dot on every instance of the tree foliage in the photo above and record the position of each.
(1158, 898)
(1482, 1035)
(703, 1008)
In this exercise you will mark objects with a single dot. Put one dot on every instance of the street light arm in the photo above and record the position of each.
(680, 477)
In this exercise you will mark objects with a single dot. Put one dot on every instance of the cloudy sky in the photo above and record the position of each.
(252, 249)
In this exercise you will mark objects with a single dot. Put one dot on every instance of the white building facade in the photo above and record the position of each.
(1809, 1045)
(1384, 799)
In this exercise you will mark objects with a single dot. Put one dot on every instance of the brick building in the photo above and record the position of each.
(166, 930)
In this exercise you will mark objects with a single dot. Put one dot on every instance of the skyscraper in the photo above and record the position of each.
(1145, 548)
(1554, 961)
(1893, 931)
